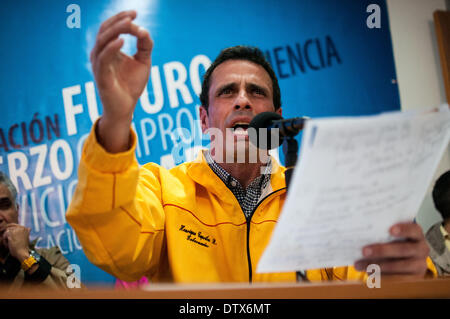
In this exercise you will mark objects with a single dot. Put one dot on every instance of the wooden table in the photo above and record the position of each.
(430, 288)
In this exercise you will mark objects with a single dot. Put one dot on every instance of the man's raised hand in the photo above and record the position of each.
(120, 78)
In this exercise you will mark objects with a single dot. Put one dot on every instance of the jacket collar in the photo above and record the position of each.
(436, 239)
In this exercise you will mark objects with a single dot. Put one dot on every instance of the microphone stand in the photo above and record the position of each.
(290, 151)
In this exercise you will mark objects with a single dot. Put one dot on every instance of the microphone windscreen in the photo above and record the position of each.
(264, 119)
(262, 137)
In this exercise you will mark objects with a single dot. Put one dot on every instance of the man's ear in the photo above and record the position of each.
(204, 119)
(279, 111)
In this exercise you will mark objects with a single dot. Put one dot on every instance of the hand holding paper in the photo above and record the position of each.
(356, 178)
(407, 256)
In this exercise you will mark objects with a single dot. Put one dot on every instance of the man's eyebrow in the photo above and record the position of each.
(221, 88)
(257, 86)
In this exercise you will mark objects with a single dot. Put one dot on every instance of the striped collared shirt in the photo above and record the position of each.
(248, 198)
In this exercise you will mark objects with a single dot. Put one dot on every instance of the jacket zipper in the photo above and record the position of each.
(250, 272)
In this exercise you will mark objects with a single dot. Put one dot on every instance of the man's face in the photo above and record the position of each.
(8, 211)
(239, 90)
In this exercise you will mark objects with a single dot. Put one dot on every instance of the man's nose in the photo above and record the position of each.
(242, 101)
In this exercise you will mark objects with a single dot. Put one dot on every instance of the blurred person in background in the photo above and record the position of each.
(438, 236)
(21, 263)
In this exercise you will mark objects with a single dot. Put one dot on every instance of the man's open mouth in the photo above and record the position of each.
(240, 128)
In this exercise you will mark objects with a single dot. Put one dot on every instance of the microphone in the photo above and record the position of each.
(279, 129)
(271, 121)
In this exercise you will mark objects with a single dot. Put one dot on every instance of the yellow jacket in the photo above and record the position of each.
(177, 225)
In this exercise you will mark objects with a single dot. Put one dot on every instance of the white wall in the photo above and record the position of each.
(419, 72)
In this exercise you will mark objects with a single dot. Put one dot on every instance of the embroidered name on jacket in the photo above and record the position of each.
(199, 238)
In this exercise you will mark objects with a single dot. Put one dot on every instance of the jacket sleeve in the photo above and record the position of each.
(116, 211)
(57, 278)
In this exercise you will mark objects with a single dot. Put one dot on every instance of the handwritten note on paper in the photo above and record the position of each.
(355, 179)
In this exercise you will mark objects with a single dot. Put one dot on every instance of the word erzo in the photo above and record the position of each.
(234, 308)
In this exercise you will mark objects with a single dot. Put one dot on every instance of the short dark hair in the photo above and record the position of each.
(441, 195)
(240, 52)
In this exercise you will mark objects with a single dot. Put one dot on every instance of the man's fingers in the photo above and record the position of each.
(407, 256)
(144, 46)
(6, 235)
(401, 249)
(110, 21)
(395, 266)
(13, 228)
(410, 231)
(109, 53)
(5, 238)
(124, 26)
(106, 25)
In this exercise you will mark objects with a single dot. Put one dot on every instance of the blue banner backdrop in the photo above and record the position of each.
(329, 63)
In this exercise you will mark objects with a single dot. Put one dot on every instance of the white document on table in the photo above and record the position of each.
(356, 177)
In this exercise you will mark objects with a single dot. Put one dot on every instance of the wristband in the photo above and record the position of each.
(40, 274)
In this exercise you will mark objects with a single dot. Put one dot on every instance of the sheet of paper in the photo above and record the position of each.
(356, 177)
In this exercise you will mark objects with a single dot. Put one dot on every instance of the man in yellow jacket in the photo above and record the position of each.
(203, 221)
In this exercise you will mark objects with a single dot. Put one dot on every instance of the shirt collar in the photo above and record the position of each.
(201, 173)
(444, 232)
(232, 182)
